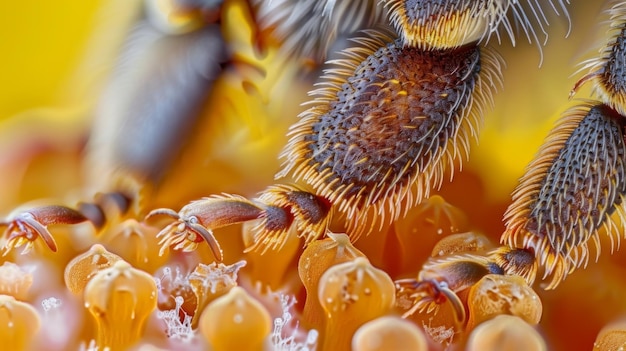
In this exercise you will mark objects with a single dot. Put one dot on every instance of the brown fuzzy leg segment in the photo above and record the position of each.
(386, 122)
(444, 23)
(607, 72)
(570, 190)
(308, 212)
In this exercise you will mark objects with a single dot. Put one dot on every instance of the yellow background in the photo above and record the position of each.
(42, 43)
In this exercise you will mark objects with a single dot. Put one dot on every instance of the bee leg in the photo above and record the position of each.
(443, 278)
(104, 206)
(428, 294)
(576, 185)
(448, 278)
(606, 71)
(277, 209)
(153, 100)
(160, 83)
(165, 72)
(519, 262)
(24, 228)
(309, 213)
(195, 222)
(571, 191)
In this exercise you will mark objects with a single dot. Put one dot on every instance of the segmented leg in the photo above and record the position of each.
(578, 180)
(386, 123)
(391, 116)
(195, 222)
(443, 24)
(570, 191)
(607, 72)
(25, 227)
(277, 209)
(384, 127)
(428, 295)
(443, 278)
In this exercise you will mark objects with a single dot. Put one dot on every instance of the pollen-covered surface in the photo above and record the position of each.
(571, 188)
(382, 125)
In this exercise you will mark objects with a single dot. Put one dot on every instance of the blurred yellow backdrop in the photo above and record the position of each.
(42, 43)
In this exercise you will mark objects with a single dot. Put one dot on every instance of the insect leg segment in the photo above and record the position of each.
(571, 189)
(24, 227)
(443, 278)
(445, 24)
(428, 295)
(447, 278)
(386, 122)
(195, 222)
(105, 205)
(607, 73)
(514, 261)
(576, 185)
(277, 209)
(158, 89)
(309, 213)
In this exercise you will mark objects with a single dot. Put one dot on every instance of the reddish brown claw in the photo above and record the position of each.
(196, 221)
(183, 234)
(24, 228)
(428, 294)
